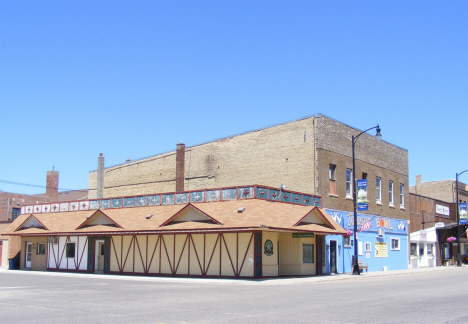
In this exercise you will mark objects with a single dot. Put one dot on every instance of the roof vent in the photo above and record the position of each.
(149, 216)
(241, 209)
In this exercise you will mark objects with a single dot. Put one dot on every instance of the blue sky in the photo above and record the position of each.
(131, 79)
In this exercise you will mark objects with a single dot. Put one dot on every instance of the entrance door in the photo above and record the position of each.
(27, 263)
(333, 257)
(99, 256)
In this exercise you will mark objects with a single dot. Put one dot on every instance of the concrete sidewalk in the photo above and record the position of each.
(255, 282)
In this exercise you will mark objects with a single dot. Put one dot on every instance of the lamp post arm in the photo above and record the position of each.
(355, 137)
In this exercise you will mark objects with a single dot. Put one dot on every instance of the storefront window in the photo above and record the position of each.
(430, 249)
(414, 249)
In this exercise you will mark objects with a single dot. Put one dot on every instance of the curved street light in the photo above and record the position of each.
(458, 221)
(355, 257)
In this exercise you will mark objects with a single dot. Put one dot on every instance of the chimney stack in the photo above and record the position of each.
(100, 176)
(180, 167)
(418, 182)
(52, 185)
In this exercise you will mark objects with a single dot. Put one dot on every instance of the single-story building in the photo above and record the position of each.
(251, 233)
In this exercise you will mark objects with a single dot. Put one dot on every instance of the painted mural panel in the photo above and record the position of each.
(373, 231)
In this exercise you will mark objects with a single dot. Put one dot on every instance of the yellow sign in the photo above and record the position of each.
(381, 250)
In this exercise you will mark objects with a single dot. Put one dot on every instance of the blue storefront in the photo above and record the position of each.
(382, 243)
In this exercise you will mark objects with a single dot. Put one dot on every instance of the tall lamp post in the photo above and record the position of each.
(355, 257)
(458, 221)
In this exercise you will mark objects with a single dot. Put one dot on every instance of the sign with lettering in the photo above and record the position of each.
(300, 235)
(381, 250)
(442, 210)
(390, 225)
(361, 187)
(423, 235)
(462, 213)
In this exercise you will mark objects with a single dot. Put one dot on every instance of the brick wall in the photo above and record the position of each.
(18, 200)
(374, 157)
(282, 154)
(425, 208)
(444, 190)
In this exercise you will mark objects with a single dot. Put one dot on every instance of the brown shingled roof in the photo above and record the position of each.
(257, 214)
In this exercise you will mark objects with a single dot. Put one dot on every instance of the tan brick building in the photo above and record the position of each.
(444, 190)
(298, 154)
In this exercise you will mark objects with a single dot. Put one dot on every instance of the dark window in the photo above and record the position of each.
(70, 250)
(364, 175)
(41, 248)
(307, 253)
(15, 212)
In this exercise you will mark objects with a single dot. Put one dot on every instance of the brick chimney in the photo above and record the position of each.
(418, 183)
(100, 177)
(52, 185)
(180, 167)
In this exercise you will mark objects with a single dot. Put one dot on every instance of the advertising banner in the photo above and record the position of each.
(361, 187)
(462, 213)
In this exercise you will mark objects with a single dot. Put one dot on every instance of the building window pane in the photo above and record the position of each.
(307, 253)
(349, 186)
(368, 247)
(41, 248)
(395, 243)
(402, 196)
(390, 193)
(332, 175)
(414, 249)
(15, 212)
(430, 249)
(378, 191)
(70, 250)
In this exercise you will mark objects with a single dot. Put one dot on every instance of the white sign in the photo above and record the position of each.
(423, 235)
(439, 225)
(443, 210)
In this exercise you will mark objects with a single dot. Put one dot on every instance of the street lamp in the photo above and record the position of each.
(458, 221)
(355, 257)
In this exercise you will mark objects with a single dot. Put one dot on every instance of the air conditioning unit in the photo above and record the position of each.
(380, 232)
(52, 240)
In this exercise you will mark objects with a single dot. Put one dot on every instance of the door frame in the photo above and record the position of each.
(96, 255)
(336, 256)
(26, 255)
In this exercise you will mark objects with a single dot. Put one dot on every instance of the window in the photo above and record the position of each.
(349, 186)
(70, 250)
(378, 191)
(368, 247)
(15, 212)
(332, 177)
(40, 248)
(364, 176)
(402, 196)
(348, 242)
(390, 193)
(414, 249)
(430, 249)
(395, 243)
(307, 253)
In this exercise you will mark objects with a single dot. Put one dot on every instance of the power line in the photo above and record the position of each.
(37, 186)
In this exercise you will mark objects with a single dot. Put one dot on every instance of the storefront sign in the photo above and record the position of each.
(439, 225)
(362, 194)
(300, 235)
(462, 213)
(423, 235)
(381, 250)
(442, 210)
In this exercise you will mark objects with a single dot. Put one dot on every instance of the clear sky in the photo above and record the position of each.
(131, 79)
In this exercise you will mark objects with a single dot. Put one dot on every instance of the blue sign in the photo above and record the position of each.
(462, 213)
(362, 202)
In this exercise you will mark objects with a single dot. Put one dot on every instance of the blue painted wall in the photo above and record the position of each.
(394, 228)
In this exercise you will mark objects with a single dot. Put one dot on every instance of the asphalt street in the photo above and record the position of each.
(436, 295)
